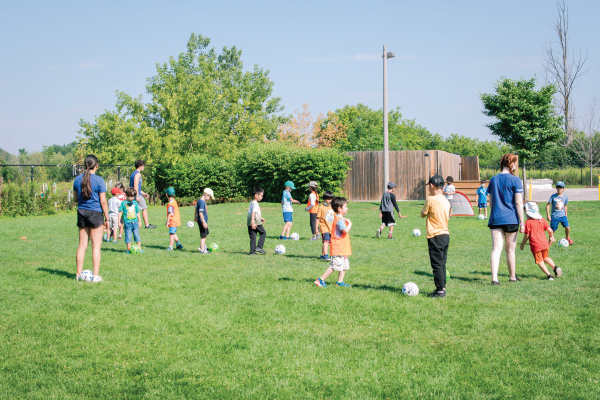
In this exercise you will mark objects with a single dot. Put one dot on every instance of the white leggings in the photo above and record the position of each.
(510, 244)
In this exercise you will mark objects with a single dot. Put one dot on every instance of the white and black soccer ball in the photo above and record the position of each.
(480, 216)
(564, 243)
(410, 289)
(86, 276)
(280, 249)
(416, 232)
(190, 224)
(295, 236)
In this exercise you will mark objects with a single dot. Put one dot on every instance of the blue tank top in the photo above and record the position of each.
(132, 181)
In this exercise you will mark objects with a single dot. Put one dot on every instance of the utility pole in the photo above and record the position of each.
(386, 153)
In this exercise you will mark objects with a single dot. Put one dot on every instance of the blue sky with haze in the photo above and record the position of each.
(63, 61)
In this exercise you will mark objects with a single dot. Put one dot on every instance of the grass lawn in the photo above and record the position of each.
(174, 325)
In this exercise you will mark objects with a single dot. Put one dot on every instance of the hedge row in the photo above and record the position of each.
(24, 199)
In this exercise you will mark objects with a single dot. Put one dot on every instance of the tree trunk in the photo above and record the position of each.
(591, 175)
(526, 191)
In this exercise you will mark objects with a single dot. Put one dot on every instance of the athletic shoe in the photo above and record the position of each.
(326, 257)
(342, 284)
(115, 241)
(320, 283)
(378, 234)
(319, 237)
(77, 278)
(150, 226)
(120, 237)
(570, 241)
(251, 254)
(438, 294)
(517, 279)
(169, 248)
(179, 246)
(557, 272)
(282, 238)
(141, 251)
(314, 238)
(550, 278)
(495, 283)
(97, 278)
(390, 237)
(259, 250)
(104, 237)
(204, 251)
(128, 252)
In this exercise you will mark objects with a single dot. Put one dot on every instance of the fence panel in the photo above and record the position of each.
(469, 168)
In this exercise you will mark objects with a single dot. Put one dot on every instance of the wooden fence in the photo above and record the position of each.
(410, 170)
(469, 168)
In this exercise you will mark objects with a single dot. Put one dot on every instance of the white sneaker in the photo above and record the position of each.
(97, 278)
(378, 234)
(77, 277)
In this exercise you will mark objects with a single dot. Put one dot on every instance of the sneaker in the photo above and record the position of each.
(550, 278)
(77, 277)
(115, 241)
(319, 237)
(150, 226)
(169, 248)
(342, 284)
(390, 237)
(259, 250)
(326, 257)
(557, 272)
(179, 246)
(104, 238)
(570, 241)
(141, 251)
(119, 236)
(282, 238)
(97, 278)
(251, 254)
(320, 283)
(314, 238)
(517, 279)
(438, 294)
(378, 234)
(128, 252)
(495, 283)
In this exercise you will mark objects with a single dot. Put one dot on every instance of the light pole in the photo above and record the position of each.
(386, 154)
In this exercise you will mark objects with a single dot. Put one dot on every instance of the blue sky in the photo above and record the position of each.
(63, 61)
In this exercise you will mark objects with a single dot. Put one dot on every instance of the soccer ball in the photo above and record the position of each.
(86, 276)
(280, 249)
(416, 232)
(410, 289)
(295, 236)
(134, 249)
(213, 247)
(190, 224)
(480, 216)
(564, 243)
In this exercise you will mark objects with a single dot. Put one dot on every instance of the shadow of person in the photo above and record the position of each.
(66, 274)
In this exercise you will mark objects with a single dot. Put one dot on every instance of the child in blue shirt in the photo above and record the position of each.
(288, 211)
(201, 217)
(559, 202)
(482, 198)
(130, 211)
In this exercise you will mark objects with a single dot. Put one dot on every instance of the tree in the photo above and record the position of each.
(585, 144)
(298, 131)
(564, 66)
(329, 132)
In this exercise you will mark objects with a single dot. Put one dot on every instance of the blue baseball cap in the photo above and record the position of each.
(560, 184)
(290, 184)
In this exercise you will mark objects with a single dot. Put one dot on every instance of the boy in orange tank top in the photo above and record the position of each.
(173, 219)
(340, 244)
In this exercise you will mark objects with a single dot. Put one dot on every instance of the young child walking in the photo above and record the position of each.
(437, 212)
(113, 215)
(255, 223)
(201, 218)
(325, 217)
(313, 208)
(535, 232)
(130, 212)
(482, 195)
(386, 210)
(558, 202)
(173, 219)
(340, 244)
(449, 191)
(288, 210)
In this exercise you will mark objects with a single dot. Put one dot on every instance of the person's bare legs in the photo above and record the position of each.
(145, 216)
(567, 230)
(341, 276)
(84, 237)
(485, 209)
(497, 243)
(202, 243)
(543, 268)
(550, 262)
(115, 230)
(326, 274)
(96, 235)
(391, 230)
(286, 228)
(510, 240)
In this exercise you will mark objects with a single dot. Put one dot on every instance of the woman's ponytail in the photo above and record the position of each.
(507, 161)
(86, 183)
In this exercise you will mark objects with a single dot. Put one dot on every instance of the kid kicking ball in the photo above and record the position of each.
(280, 249)
(213, 247)
(410, 289)
(87, 276)
(416, 233)
(295, 236)
(190, 224)
(480, 216)
(564, 243)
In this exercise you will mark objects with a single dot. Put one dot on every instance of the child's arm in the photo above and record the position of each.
(204, 224)
(348, 226)
(120, 216)
(425, 210)
(548, 212)
(566, 210)
(551, 238)
(395, 204)
(254, 219)
(525, 239)
(139, 219)
(294, 201)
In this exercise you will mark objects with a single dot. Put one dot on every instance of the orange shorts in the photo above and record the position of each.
(540, 256)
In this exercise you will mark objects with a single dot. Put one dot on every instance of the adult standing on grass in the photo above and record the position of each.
(135, 181)
(506, 215)
(89, 191)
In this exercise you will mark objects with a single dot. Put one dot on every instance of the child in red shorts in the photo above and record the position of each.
(535, 232)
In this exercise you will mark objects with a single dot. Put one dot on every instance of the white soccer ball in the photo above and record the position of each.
(416, 232)
(280, 249)
(480, 216)
(410, 289)
(87, 276)
(295, 236)
(564, 243)
(190, 224)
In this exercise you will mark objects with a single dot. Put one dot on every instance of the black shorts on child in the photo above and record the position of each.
(203, 231)
(387, 217)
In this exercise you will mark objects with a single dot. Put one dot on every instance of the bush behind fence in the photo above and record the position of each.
(570, 175)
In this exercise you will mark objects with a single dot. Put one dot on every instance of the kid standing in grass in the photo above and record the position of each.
(449, 190)
(313, 207)
(288, 211)
(559, 202)
(255, 221)
(386, 210)
(201, 217)
(121, 196)
(113, 215)
(437, 212)
(325, 217)
(173, 219)
(535, 232)
(130, 211)
(340, 244)
(482, 198)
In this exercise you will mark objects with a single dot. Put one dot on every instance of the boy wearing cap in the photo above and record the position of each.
(113, 215)
(173, 219)
(535, 232)
(313, 207)
(559, 202)
(288, 211)
(201, 218)
(437, 212)
(386, 210)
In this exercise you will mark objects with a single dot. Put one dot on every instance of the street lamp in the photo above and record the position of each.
(386, 155)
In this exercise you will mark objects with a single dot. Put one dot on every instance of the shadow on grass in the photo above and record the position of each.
(59, 272)
(381, 287)
(503, 274)
(458, 278)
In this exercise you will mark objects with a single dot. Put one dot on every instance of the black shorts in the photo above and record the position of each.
(509, 228)
(203, 231)
(387, 217)
(89, 218)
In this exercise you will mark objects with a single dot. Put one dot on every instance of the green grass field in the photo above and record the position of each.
(175, 325)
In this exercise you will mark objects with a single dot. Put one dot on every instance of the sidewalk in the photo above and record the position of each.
(572, 194)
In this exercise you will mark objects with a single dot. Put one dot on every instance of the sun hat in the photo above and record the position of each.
(437, 180)
(313, 183)
(560, 184)
(532, 210)
(290, 184)
(210, 192)
(115, 191)
(391, 185)
(170, 191)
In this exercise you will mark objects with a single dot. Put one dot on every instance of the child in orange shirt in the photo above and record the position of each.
(325, 217)
(535, 232)
(173, 219)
